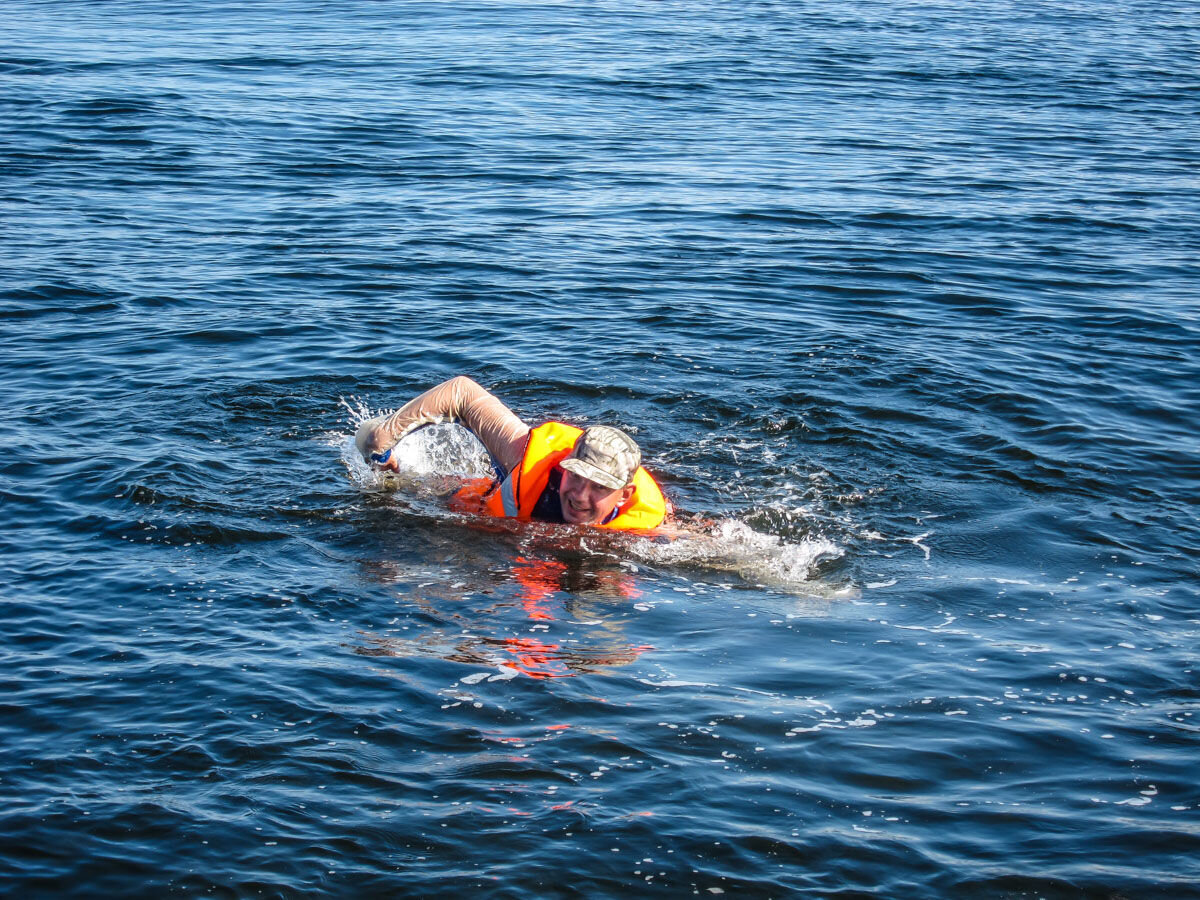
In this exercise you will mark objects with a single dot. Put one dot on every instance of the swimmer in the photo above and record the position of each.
(551, 473)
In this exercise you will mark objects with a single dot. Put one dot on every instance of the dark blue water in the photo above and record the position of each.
(901, 300)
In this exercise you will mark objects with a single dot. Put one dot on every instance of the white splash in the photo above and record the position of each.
(427, 455)
(736, 547)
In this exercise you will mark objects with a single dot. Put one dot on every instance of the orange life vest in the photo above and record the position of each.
(549, 444)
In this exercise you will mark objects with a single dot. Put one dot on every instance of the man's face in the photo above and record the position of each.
(585, 502)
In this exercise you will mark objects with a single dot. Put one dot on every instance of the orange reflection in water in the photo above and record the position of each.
(551, 592)
(540, 581)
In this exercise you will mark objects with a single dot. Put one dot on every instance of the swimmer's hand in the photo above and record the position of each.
(376, 443)
(671, 530)
(690, 526)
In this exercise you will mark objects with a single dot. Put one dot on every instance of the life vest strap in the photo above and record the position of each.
(508, 496)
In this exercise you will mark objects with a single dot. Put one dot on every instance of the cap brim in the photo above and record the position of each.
(591, 473)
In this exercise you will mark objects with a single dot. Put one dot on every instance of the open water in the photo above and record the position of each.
(900, 298)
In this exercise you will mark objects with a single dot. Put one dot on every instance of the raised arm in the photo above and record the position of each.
(458, 400)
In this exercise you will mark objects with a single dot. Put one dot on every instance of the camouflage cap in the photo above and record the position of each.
(607, 456)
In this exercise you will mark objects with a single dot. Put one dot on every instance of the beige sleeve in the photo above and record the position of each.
(458, 400)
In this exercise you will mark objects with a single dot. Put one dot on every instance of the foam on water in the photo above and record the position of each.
(733, 546)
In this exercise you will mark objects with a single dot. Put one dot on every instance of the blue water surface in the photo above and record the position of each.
(900, 299)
